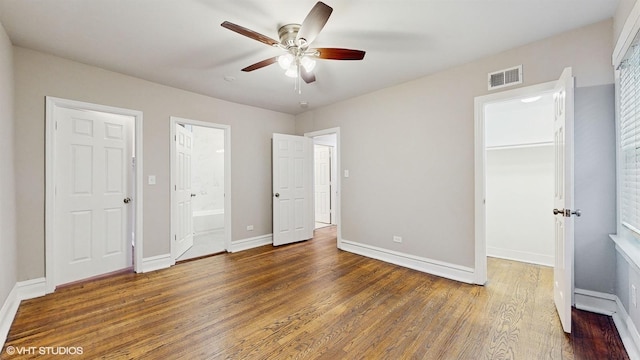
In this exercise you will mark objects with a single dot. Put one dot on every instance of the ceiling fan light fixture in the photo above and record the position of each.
(292, 71)
(299, 60)
(285, 61)
(307, 63)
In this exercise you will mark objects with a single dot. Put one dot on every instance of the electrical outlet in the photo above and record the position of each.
(249, 227)
(634, 296)
(397, 239)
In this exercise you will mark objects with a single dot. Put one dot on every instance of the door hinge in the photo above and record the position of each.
(175, 137)
(56, 126)
(175, 237)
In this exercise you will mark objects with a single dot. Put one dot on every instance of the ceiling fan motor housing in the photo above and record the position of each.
(288, 34)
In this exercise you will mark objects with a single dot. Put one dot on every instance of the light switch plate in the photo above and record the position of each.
(152, 179)
(346, 173)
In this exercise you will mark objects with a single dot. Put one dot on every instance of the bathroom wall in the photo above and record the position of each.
(207, 177)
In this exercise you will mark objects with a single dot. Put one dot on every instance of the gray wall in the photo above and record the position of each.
(410, 148)
(38, 75)
(8, 239)
(595, 188)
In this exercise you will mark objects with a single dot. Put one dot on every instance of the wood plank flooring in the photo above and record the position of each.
(306, 301)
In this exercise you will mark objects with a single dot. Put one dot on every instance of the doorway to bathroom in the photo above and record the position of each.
(200, 189)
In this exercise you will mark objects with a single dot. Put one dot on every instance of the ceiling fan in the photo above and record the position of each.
(295, 39)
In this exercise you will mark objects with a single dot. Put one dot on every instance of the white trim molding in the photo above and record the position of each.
(522, 256)
(8, 313)
(157, 262)
(429, 266)
(173, 121)
(628, 33)
(22, 290)
(610, 305)
(480, 103)
(596, 302)
(250, 243)
(50, 158)
(338, 205)
(627, 330)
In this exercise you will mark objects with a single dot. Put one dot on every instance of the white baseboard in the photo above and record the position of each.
(609, 304)
(434, 267)
(523, 256)
(7, 313)
(250, 243)
(627, 330)
(596, 302)
(158, 262)
(22, 290)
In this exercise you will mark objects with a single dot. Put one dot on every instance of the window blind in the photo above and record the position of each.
(629, 141)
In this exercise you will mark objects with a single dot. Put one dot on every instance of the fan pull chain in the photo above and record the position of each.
(298, 78)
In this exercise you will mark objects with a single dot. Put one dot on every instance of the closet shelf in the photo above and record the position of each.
(520, 146)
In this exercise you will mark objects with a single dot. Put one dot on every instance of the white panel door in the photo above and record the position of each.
(292, 189)
(183, 238)
(322, 183)
(563, 198)
(92, 205)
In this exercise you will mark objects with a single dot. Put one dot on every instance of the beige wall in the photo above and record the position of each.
(8, 240)
(410, 148)
(38, 75)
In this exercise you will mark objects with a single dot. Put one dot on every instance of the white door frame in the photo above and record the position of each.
(227, 175)
(50, 180)
(480, 167)
(338, 207)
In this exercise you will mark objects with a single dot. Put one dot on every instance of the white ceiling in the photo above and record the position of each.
(180, 43)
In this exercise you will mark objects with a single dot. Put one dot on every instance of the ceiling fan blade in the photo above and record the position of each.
(338, 54)
(250, 33)
(313, 23)
(260, 64)
(308, 77)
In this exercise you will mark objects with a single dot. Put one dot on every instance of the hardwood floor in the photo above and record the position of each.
(308, 300)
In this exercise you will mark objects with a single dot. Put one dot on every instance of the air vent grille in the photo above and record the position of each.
(506, 77)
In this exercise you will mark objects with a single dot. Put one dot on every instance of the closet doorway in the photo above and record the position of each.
(495, 148)
(200, 181)
(519, 175)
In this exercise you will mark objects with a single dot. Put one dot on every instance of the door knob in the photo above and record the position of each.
(277, 195)
(193, 195)
(127, 200)
(567, 212)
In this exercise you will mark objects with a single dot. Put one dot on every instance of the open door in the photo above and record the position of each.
(563, 198)
(292, 189)
(183, 238)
